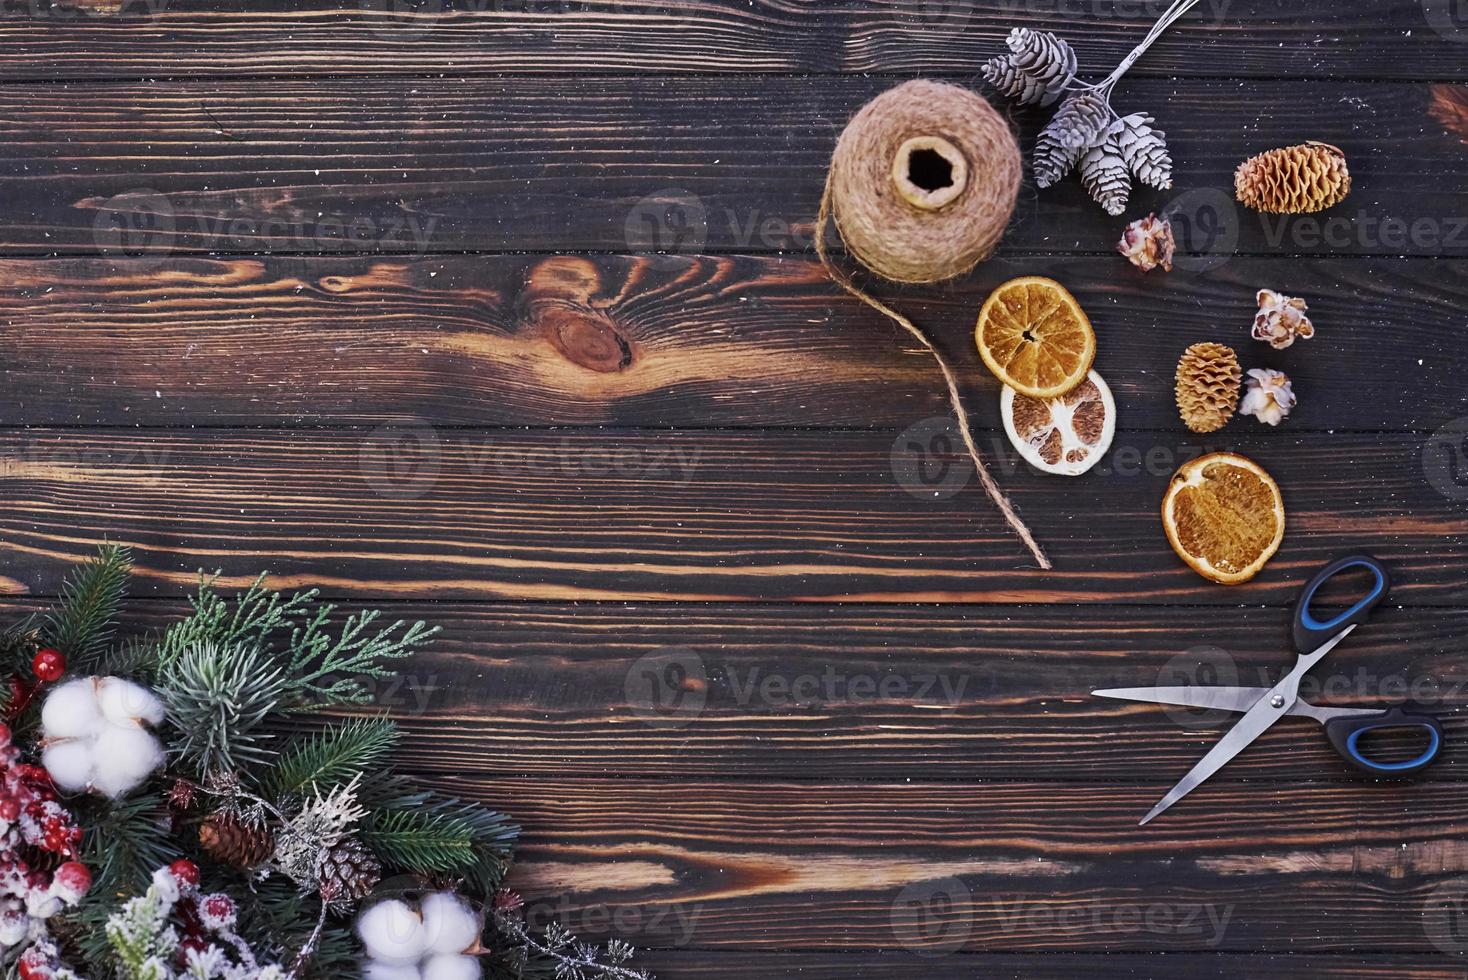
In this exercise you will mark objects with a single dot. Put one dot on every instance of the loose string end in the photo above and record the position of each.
(1001, 501)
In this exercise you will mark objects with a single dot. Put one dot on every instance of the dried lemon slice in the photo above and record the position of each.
(1066, 435)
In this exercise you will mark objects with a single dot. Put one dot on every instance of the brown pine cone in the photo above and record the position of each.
(1208, 379)
(1294, 180)
(348, 873)
(231, 841)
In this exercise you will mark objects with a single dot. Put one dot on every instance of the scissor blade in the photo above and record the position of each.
(1190, 696)
(1256, 721)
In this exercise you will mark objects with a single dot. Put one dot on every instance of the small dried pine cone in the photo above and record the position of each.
(1208, 378)
(1294, 179)
(348, 873)
(231, 841)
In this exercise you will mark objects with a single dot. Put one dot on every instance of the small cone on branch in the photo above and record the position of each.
(1208, 378)
(348, 873)
(1294, 180)
(231, 841)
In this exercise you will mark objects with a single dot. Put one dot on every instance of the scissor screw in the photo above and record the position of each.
(1277, 701)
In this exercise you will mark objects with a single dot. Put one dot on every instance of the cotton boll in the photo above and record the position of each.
(126, 703)
(449, 924)
(377, 970)
(392, 932)
(451, 968)
(71, 711)
(70, 764)
(122, 759)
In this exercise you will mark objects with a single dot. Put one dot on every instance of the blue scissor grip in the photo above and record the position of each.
(1310, 631)
(1345, 734)
(1434, 744)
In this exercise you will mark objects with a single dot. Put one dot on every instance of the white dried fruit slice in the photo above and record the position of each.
(1066, 435)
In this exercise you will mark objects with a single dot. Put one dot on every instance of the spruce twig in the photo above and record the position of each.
(443, 835)
(333, 756)
(82, 625)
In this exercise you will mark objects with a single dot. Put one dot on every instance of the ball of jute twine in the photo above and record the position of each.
(921, 186)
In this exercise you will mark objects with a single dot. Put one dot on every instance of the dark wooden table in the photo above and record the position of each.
(369, 299)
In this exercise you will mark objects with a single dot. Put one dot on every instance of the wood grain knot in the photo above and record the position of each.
(584, 336)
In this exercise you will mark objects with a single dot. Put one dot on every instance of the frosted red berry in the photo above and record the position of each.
(49, 665)
(185, 872)
(74, 877)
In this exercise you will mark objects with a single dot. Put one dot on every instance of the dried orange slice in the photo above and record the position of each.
(1065, 435)
(1224, 516)
(1035, 337)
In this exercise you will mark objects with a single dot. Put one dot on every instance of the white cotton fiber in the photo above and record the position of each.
(392, 933)
(126, 704)
(449, 924)
(122, 758)
(451, 968)
(376, 970)
(70, 764)
(71, 711)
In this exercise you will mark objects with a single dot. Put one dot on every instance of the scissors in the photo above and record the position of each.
(1263, 706)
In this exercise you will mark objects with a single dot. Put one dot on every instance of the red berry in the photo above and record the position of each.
(49, 665)
(185, 871)
(20, 696)
(31, 969)
(74, 877)
(4, 734)
(9, 809)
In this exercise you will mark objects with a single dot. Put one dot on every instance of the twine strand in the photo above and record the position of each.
(990, 486)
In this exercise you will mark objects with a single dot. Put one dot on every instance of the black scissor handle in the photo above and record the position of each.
(1345, 735)
(1309, 631)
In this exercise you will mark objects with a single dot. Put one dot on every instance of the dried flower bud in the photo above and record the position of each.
(1148, 243)
(1267, 395)
(1281, 320)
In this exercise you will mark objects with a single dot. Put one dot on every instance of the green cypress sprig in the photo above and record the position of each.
(249, 619)
(82, 625)
(321, 665)
(329, 669)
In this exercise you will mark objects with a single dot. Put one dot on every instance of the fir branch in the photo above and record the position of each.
(127, 840)
(276, 918)
(18, 646)
(82, 625)
(135, 658)
(443, 835)
(333, 756)
(217, 697)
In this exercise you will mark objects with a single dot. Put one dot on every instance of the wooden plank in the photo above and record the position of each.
(108, 38)
(702, 515)
(626, 164)
(844, 693)
(669, 341)
(699, 964)
(990, 866)
(889, 693)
